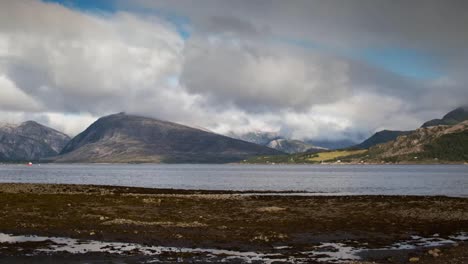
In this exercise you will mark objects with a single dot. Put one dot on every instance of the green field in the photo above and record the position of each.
(326, 156)
(335, 155)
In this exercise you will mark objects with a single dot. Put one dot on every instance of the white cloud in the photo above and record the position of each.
(239, 71)
(251, 75)
(13, 98)
(77, 62)
(70, 124)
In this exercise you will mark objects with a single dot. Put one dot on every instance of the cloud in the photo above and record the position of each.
(309, 69)
(83, 63)
(12, 98)
(254, 76)
(92, 63)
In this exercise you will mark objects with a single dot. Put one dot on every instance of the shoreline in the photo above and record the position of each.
(161, 191)
(227, 220)
(234, 163)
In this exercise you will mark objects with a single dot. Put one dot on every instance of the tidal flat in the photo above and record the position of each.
(105, 224)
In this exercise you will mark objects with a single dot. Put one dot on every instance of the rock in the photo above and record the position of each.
(271, 209)
(102, 218)
(434, 252)
(414, 259)
(92, 233)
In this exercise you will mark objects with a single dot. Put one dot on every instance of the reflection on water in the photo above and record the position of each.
(450, 180)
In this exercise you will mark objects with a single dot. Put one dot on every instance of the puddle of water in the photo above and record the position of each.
(75, 246)
(460, 237)
(325, 252)
(335, 252)
(434, 241)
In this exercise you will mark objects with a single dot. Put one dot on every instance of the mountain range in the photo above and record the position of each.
(441, 142)
(434, 144)
(30, 141)
(381, 137)
(293, 146)
(129, 138)
(276, 141)
(452, 118)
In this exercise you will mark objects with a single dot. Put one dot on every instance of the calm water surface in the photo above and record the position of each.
(450, 180)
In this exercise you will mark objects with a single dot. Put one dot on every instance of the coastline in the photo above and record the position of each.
(276, 223)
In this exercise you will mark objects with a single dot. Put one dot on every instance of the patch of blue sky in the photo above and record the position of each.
(87, 5)
(181, 23)
(173, 81)
(405, 62)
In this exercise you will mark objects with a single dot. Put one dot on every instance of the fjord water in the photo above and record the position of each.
(448, 180)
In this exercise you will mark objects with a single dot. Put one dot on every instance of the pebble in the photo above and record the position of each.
(414, 259)
(434, 252)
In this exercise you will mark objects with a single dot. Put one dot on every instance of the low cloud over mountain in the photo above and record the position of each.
(308, 70)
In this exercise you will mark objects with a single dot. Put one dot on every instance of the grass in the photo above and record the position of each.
(326, 156)
(450, 147)
(334, 155)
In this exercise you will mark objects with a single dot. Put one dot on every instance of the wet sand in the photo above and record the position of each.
(288, 226)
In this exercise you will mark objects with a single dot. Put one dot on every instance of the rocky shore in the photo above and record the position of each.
(234, 227)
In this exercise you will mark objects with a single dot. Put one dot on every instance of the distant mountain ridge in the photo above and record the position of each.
(129, 138)
(30, 141)
(453, 117)
(293, 146)
(332, 144)
(276, 141)
(442, 142)
(381, 137)
(257, 137)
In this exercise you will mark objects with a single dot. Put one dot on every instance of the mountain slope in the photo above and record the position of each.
(454, 117)
(260, 138)
(332, 144)
(276, 141)
(30, 141)
(293, 146)
(449, 143)
(381, 137)
(128, 138)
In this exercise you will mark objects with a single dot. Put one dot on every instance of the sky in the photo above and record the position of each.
(307, 69)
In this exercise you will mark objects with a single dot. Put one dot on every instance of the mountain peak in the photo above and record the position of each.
(381, 137)
(451, 118)
(30, 141)
(131, 138)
